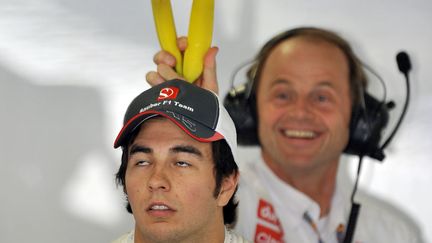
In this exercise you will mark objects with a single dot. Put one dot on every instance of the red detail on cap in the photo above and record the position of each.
(168, 93)
(266, 235)
(216, 136)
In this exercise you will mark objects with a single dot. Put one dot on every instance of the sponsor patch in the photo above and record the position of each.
(268, 229)
(168, 93)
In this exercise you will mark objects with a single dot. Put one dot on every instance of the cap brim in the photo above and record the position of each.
(194, 129)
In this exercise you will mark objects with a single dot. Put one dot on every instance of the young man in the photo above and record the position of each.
(178, 170)
(303, 86)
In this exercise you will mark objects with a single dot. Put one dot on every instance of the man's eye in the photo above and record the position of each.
(142, 163)
(282, 96)
(182, 164)
(322, 98)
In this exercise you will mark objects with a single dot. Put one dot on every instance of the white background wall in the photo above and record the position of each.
(68, 69)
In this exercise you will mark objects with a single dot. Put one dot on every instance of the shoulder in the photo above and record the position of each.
(249, 187)
(382, 220)
(248, 196)
(126, 238)
(232, 237)
(249, 180)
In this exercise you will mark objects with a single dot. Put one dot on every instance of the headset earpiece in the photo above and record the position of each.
(367, 123)
(241, 109)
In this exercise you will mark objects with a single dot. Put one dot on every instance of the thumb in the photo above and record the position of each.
(209, 79)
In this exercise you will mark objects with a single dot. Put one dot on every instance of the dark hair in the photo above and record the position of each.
(224, 166)
(357, 77)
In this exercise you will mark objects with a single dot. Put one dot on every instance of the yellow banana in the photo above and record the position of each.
(165, 28)
(199, 38)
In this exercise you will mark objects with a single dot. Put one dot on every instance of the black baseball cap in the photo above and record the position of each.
(195, 110)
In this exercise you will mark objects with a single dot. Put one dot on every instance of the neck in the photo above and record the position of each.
(318, 182)
(215, 235)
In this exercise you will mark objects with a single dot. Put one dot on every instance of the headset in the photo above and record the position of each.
(369, 116)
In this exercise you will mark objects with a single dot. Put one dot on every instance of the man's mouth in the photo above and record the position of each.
(302, 134)
(159, 207)
(160, 210)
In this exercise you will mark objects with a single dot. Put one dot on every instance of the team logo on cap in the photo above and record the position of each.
(168, 93)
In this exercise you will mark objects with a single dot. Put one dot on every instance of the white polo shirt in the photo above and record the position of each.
(230, 237)
(272, 211)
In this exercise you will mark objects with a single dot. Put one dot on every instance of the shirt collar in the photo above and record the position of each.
(290, 204)
(340, 207)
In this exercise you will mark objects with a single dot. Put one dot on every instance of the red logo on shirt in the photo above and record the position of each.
(273, 233)
(168, 93)
(266, 212)
(267, 235)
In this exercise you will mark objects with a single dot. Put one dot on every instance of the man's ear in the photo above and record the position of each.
(228, 188)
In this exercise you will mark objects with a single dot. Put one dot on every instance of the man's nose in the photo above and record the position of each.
(159, 180)
(299, 109)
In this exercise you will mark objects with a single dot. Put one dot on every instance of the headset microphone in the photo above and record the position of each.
(404, 66)
(403, 62)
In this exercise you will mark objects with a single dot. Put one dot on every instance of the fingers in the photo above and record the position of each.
(163, 73)
(165, 65)
(153, 78)
(164, 57)
(167, 58)
(166, 62)
(167, 72)
(165, 68)
(209, 79)
(182, 43)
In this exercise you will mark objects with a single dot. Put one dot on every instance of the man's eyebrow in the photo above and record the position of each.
(281, 81)
(186, 149)
(325, 83)
(139, 149)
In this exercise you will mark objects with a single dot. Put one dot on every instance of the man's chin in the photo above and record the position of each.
(158, 232)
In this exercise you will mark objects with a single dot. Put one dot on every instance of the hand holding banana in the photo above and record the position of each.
(199, 35)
